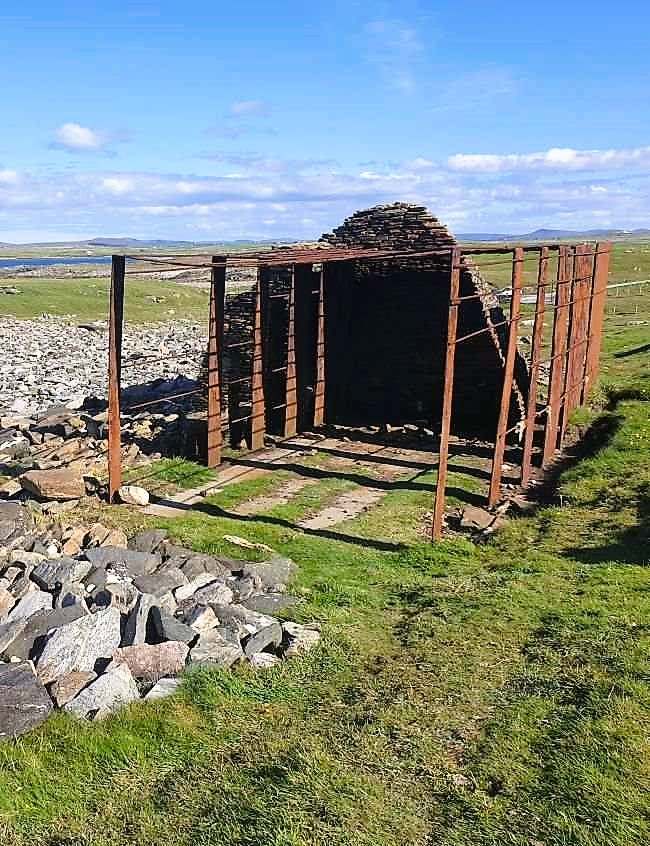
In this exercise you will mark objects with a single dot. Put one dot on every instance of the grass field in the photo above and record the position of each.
(464, 695)
(148, 301)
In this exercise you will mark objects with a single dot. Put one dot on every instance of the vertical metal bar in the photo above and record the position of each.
(558, 353)
(597, 314)
(291, 393)
(576, 349)
(215, 331)
(508, 373)
(448, 395)
(319, 392)
(258, 416)
(536, 350)
(115, 320)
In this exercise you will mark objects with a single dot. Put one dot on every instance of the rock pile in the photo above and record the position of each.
(62, 454)
(90, 622)
(50, 361)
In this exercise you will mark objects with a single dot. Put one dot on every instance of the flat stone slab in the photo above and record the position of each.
(274, 574)
(162, 689)
(213, 649)
(163, 581)
(134, 562)
(35, 600)
(80, 644)
(152, 662)
(51, 574)
(24, 702)
(31, 635)
(57, 484)
(108, 693)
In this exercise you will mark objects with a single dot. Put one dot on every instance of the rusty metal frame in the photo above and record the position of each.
(577, 315)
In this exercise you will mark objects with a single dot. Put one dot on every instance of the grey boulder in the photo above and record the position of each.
(213, 649)
(24, 702)
(129, 561)
(50, 575)
(80, 645)
(108, 693)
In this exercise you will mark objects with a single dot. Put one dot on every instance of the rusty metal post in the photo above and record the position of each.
(319, 390)
(215, 334)
(577, 335)
(597, 314)
(115, 320)
(258, 415)
(508, 373)
(558, 352)
(291, 393)
(536, 349)
(448, 395)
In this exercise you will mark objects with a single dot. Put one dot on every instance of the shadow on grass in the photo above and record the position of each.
(630, 546)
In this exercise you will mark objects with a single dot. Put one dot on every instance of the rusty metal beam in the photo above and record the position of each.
(508, 374)
(319, 389)
(558, 353)
(597, 315)
(215, 343)
(258, 413)
(536, 354)
(291, 393)
(115, 321)
(448, 395)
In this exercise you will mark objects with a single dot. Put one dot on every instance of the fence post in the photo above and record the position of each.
(319, 391)
(291, 394)
(558, 353)
(258, 411)
(576, 342)
(508, 373)
(215, 338)
(536, 349)
(448, 395)
(115, 321)
(597, 315)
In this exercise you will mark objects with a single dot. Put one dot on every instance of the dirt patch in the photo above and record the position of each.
(345, 507)
(281, 496)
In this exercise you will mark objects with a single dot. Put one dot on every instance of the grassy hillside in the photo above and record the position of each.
(87, 299)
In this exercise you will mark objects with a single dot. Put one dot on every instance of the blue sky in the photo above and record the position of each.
(206, 120)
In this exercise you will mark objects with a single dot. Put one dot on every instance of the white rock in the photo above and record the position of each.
(301, 638)
(185, 591)
(202, 618)
(36, 600)
(111, 691)
(163, 688)
(264, 660)
(133, 495)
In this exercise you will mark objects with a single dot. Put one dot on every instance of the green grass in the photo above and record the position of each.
(463, 695)
(87, 299)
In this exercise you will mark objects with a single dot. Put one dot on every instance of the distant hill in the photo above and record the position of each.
(556, 234)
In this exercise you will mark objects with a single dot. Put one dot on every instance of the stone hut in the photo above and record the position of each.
(385, 333)
(387, 329)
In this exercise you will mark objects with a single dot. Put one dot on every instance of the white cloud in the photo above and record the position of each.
(303, 200)
(8, 177)
(248, 108)
(557, 158)
(117, 184)
(73, 136)
(395, 48)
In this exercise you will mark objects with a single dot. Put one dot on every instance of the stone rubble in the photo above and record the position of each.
(72, 359)
(92, 631)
